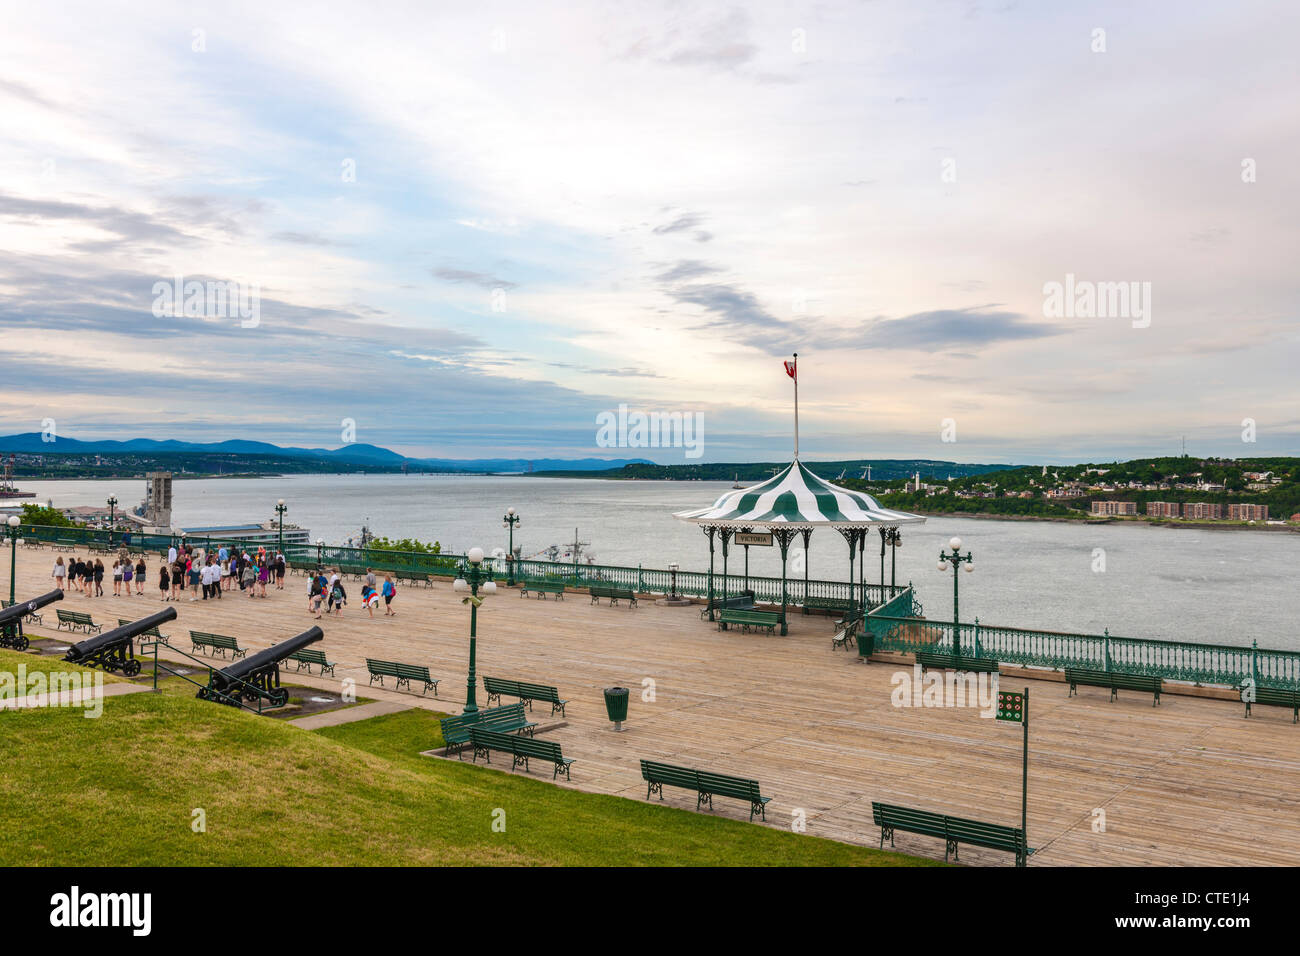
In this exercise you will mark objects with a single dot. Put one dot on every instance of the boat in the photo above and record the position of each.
(737, 483)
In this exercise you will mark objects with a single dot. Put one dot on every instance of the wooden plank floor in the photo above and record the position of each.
(1189, 782)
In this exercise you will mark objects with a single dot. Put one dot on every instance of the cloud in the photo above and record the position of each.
(305, 239)
(686, 269)
(481, 279)
(944, 329)
(682, 223)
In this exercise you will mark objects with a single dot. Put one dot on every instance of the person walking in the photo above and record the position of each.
(195, 567)
(164, 581)
(117, 579)
(338, 596)
(249, 579)
(263, 575)
(140, 571)
(280, 567)
(126, 573)
(390, 592)
(98, 576)
(177, 572)
(60, 573)
(315, 593)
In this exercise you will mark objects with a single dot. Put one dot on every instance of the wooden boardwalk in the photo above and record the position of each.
(1189, 782)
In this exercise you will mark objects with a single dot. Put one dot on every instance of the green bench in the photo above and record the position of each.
(520, 748)
(414, 577)
(839, 605)
(952, 830)
(309, 656)
(543, 588)
(844, 637)
(748, 620)
(31, 617)
(216, 644)
(77, 621)
(598, 591)
(1276, 697)
(401, 673)
(504, 720)
(153, 632)
(741, 602)
(955, 662)
(526, 692)
(1115, 680)
(706, 785)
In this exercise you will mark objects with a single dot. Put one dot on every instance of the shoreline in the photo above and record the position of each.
(1089, 520)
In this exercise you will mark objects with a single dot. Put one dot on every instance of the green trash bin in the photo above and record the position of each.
(866, 643)
(616, 705)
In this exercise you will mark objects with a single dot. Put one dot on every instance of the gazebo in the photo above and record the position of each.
(792, 502)
(795, 502)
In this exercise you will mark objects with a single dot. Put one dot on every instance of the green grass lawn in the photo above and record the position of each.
(121, 790)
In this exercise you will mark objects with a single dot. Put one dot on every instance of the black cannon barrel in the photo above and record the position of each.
(240, 670)
(80, 652)
(22, 608)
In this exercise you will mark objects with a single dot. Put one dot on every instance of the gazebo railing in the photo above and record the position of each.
(1222, 664)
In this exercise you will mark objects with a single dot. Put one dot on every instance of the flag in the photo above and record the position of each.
(791, 369)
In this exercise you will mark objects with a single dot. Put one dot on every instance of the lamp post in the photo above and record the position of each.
(956, 560)
(11, 529)
(112, 518)
(320, 547)
(470, 576)
(895, 542)
(672, 588)
(509, 520)
(280, 509)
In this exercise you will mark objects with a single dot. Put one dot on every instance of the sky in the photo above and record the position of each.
(467, 230)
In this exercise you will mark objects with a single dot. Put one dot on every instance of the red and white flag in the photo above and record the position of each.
(791, 369)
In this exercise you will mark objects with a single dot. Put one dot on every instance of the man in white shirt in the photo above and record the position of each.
(171, 555)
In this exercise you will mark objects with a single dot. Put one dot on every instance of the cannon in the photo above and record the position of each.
(257, 676)
(11, 619)
(115, 650)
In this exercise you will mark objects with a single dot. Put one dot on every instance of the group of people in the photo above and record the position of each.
(87, 576)
(323, 588)
(213, 573)
(208, 575)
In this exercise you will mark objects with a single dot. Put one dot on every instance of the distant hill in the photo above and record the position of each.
(886, 469)
(358, 455)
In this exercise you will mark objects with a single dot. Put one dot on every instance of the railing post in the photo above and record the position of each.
(1107, 633)
(977, 637)
(1254, 661)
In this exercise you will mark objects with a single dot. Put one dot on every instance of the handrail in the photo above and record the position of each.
(237, 700)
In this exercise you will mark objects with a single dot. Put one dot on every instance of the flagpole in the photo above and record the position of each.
(796, 405)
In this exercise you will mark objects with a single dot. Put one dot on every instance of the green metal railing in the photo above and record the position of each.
(642, 580)
(1224, 664)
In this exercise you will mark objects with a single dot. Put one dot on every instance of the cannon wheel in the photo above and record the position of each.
(131, 668)
(279, 697)
(21, 643)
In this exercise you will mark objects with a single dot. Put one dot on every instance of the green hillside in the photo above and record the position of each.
(122, 790)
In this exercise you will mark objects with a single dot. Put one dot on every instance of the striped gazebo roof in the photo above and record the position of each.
(796, 498)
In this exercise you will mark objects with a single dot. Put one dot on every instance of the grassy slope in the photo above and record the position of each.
(120, 790)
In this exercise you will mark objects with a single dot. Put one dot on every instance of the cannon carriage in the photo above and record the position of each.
(115, 650)
(11, 619)
(258, 675)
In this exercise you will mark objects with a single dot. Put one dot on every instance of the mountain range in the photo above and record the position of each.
(33, 443)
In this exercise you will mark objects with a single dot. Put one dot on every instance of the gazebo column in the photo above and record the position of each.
(708, 533)
(725, 534)
(854, 537)
(807, 537)
(746, 531)
(884, 535)
(783, 538)
(862, 568)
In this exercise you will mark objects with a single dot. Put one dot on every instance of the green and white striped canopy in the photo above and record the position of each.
(796, 498)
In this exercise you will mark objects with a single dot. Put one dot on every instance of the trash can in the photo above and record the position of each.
(616, 705)
(866, 643)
